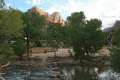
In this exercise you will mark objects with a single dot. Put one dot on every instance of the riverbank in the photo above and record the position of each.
(37, 68)
(41, 62)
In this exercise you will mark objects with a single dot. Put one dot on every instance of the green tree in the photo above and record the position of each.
(115, 56)
(35, 25)
(77, 19)
(115, 51)
(116, 37)
(86, 35)
(19, 48)
(34, 29)
(55, 35)
(11, 26)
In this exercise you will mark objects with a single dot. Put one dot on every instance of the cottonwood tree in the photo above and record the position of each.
(86, 35)
(11, 26)
(34, 29)
(115, 50)
(55, 35)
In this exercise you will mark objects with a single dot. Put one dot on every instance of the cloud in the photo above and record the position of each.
(106, 10)
(34, 2)
(8, 4)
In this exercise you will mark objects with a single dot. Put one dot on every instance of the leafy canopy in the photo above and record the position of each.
(86, 35)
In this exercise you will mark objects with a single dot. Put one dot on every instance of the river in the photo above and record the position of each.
(65, 72)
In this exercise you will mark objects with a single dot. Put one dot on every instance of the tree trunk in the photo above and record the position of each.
(28, 46)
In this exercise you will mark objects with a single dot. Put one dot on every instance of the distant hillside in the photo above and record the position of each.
(115, 25)
(109, 29)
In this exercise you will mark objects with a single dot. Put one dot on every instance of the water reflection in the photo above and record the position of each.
(109, 75)
(89, 73)
(79, 73)
(66, 73)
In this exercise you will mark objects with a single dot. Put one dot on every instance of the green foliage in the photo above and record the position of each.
(11, 26)
(76, 19)
(116, 37)
(116, 34)
(115, 51)
(6, 50)
(56, 35)
(35, 29)
(115, 55)
(19, 47)
(53, 34)
(35, 26)
(86, 36)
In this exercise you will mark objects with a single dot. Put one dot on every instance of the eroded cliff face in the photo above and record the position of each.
(55, 17)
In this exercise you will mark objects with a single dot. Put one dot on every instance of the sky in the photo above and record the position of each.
(106, 10)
